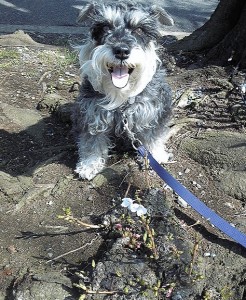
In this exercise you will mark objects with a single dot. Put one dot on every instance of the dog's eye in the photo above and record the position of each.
(138, 31)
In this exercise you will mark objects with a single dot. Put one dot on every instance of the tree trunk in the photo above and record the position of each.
(223, 35)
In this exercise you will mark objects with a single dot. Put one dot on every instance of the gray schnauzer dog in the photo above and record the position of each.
(123, 92)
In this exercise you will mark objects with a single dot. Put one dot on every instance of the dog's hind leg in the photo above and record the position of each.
(93, 153)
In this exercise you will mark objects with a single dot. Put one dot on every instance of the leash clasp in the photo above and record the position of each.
(136, 143)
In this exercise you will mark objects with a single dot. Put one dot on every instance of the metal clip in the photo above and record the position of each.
(136, 143)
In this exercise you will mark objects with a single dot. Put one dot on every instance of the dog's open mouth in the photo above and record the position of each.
(120, 75)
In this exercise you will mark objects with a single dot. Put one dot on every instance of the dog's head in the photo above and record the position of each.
(120, 56)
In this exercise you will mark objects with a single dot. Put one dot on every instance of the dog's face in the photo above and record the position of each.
(121, 52)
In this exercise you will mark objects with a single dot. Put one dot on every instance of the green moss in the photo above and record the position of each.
(226, 293)
(9, 54)
(8, 57)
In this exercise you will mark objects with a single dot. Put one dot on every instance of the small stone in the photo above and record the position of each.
(187, 171)
(51, 102)
(230, 205)
(11, 249)
(107, 175)
(70, 74)
(182, 202)
(167, 187)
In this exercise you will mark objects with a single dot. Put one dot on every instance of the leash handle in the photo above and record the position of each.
(193, 201)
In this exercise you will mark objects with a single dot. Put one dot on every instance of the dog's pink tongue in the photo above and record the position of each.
(120, 76)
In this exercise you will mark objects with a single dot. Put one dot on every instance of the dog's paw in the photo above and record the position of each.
(88, 169)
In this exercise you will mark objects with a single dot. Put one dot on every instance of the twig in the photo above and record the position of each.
(194, 253)
(4, 79)
(128, 189)
(149, 231)
(146, 162)
(116, 163)
(71, 218)
(101, 292)
(196, 223)
(87, 291)
(72, 251)
(43, 76)
(123, 179)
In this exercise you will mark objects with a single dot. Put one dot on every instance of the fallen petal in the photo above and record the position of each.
(126, 202)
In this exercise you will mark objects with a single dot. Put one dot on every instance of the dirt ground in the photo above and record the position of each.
(38, 85)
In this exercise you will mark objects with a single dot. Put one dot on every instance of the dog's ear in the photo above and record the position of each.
(163, 17)
(85, 12)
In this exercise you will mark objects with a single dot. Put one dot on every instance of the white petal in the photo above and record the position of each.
(126, 202)
(141, 210)
(134, 207)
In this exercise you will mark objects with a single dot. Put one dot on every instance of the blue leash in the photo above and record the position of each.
(193, 201)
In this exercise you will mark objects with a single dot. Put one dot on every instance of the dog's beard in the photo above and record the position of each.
(120, 80)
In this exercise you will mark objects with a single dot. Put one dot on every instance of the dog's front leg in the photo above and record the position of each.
(93, 153)
(155, 142)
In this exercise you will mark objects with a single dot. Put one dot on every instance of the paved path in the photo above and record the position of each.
(59, 16)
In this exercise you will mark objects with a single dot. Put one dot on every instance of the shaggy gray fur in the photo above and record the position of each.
(121, 83)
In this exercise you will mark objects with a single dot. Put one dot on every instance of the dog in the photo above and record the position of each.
(123, 93)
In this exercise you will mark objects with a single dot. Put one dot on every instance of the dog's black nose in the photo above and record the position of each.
(121, 51)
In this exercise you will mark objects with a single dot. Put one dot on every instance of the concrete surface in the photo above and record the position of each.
(59, 16)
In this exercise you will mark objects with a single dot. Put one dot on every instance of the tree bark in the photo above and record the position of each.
(223, 35)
